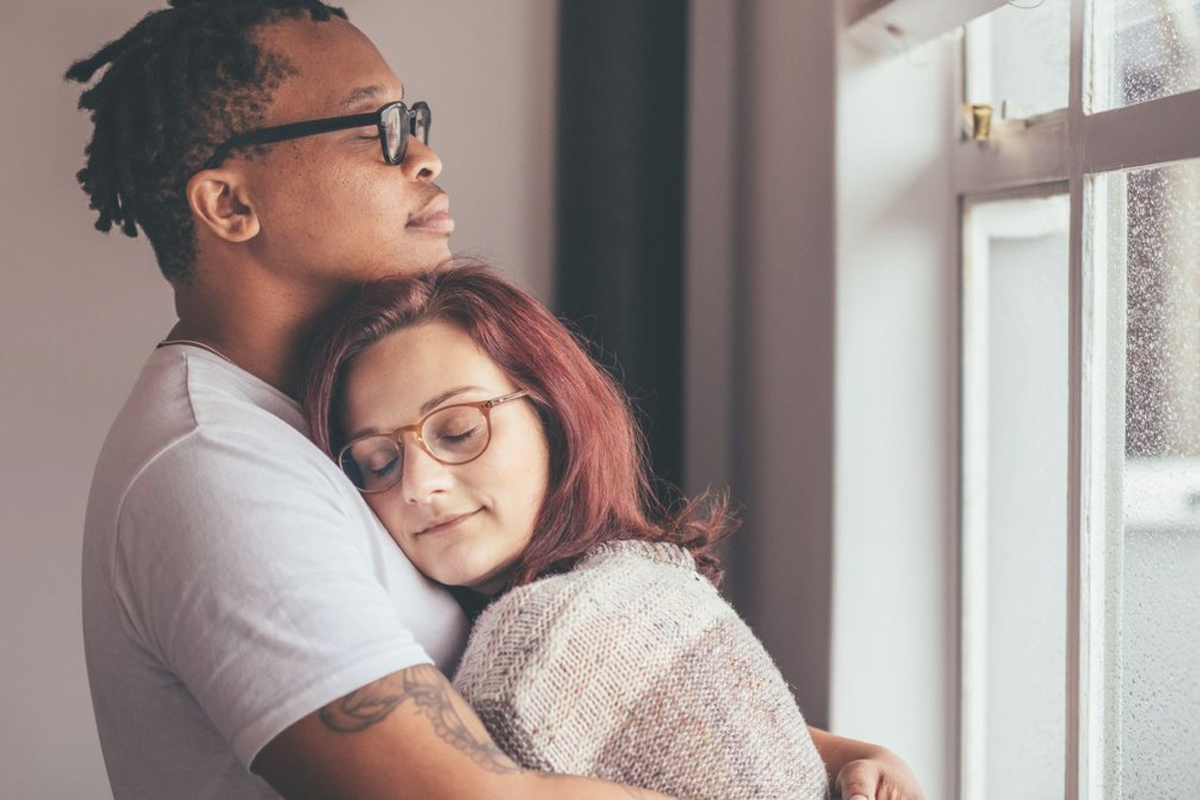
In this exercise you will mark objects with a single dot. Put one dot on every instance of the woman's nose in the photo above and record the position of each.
(423, 476)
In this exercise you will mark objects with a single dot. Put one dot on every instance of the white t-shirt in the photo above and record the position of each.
(233, 582)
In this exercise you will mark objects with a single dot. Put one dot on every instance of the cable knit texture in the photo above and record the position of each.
(632, 668)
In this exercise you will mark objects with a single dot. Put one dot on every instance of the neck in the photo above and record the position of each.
(261, 327)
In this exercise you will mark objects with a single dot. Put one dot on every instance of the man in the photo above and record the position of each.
(244, 613)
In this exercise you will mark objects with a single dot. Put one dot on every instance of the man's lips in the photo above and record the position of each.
(434, 217)
(445, 523)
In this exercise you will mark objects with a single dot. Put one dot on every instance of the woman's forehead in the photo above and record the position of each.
(394, 378)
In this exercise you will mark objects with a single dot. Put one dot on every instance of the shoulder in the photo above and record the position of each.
(613, 580)
(192, 421)
(656, 557)
(623, 603)
(206, 467)
(609, 578)
(631, 564)
(184, 390)
(561, 667)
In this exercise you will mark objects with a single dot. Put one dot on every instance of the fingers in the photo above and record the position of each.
(859, 780)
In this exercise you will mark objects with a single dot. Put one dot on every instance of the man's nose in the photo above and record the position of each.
(420, 162)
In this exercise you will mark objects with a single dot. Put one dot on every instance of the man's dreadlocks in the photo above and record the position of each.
(177, 84)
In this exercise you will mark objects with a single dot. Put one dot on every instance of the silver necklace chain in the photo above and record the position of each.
(194, 343)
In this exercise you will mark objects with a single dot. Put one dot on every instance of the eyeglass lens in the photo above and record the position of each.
(393, 132)
(395, 121)
(453, 435)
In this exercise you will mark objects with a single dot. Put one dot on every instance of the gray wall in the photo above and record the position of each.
(784, 378)
(80, 311)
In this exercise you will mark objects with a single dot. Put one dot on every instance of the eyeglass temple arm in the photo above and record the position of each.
(495, 401)
(293, 130)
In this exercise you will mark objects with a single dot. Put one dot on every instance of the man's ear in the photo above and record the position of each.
(221, 202)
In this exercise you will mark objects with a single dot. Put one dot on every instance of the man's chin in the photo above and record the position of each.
(427, 259)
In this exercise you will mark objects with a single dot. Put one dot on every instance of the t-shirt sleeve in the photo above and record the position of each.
(238, 568)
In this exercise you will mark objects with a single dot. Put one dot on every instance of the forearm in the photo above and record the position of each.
(409, 734)
(542, 786)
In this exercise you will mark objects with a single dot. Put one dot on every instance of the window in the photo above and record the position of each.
(1014, 555)
(1080, 440)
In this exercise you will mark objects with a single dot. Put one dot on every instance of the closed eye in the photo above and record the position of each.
(458, 438)
(385, 468)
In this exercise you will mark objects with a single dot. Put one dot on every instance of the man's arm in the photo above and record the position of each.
(862, 771)
(409, 735)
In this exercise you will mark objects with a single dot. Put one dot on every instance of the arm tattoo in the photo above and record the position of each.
(426, 688)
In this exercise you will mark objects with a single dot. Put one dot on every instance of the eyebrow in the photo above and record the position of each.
(426, 407)
(434, 402)
(362, 93)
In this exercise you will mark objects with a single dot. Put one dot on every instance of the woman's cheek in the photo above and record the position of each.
(389, 516)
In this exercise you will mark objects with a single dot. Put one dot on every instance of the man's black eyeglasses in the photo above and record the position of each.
(395, 121)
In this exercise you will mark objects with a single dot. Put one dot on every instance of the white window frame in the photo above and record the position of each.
(982, 219)
(1024, 158)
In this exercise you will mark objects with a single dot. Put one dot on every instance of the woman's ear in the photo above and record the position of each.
(221, 203)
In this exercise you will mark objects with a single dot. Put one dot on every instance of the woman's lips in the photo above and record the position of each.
(434, 217)
(447, 523)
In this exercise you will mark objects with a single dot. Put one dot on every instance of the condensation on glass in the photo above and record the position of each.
(1143, 50)
(1015, 511)
(1017, 58)
(1154, 230)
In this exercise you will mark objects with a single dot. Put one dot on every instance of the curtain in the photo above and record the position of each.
(619, 255)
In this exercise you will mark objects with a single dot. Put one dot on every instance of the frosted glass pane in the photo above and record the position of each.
(1027, 72)
(1161, 245)
(1158, 237)
(1027, 514)
(1146, 49)
(1160, 648)
(1020, 622)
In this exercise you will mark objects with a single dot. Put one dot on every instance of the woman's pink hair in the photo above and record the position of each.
(599, 489)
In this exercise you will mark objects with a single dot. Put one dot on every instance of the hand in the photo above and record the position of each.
(884, 776)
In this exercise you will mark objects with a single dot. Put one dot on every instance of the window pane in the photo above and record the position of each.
(1155, 230)
(1017, 59)
(1015, 481)
(1144, 50)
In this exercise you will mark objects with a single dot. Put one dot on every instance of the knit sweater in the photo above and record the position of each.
(633, 669)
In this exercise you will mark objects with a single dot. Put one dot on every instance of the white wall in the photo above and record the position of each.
(80, 311)
(894, 593)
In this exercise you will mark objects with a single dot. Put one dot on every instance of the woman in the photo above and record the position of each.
(505, 462)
